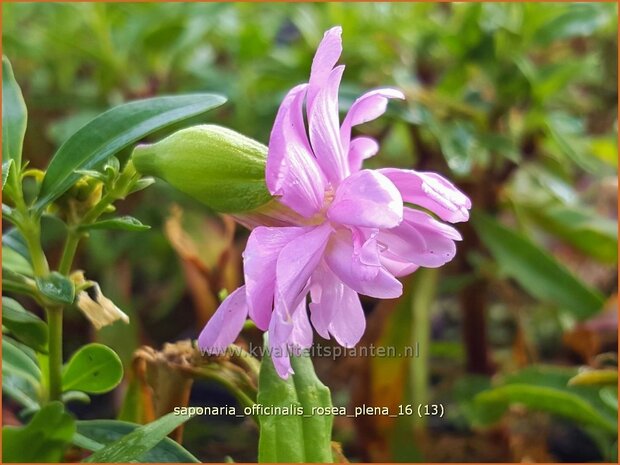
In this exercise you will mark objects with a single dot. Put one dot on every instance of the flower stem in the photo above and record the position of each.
(68, 252)
(74, 235)
(31, 232)
(423, 296)
(54, 322)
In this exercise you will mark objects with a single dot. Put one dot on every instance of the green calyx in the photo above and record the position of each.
(217, 166)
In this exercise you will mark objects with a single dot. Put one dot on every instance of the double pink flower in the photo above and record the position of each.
(356, 235)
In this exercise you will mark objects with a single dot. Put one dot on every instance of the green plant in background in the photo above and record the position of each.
(80, 185)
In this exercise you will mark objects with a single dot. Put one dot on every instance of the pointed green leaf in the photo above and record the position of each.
(6, 169)
(94, 435)
(94, 368)
(550, 400)
(20, 390)
(57, 288)
(294, 438)
(536, 270)
(115, 130)
(126, 223)
(44, 439)
(136, 444)
(580, 19)
(14, 116)
(538, 387)
(584, 229)
(15, 282)
(75, 396)
(12, 239)
(13, 261)
(23, 325)
(17, 363)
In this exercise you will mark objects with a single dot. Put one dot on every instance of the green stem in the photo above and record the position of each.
(74, 236)
(423, 296)
(244, 399)
(30, 228)
(32, 235)
(54, 322)
(68, 252)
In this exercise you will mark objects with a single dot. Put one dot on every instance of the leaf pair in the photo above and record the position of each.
(100, 139)
(46, 437)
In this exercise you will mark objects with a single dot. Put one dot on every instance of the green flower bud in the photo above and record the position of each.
(219, 167)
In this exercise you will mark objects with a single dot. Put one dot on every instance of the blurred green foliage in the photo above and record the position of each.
(514, 101)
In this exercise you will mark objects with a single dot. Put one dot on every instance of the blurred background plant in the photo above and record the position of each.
(515, 102)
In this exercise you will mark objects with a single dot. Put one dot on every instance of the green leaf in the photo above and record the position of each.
(535, 270)
(568, 134)
(580, 20)
(20, 390)
(12, 239)
(552, 379)
(57, 288)
(75, 396)
(134, 446)
(595, 377)
(15, 282)
(126, 223)
(94, 368)
(294, 438)
(13, 261)
(16, 361)
(142, 184)
(6, 168)
(14, 117)
(605, 148)
(23, 325)
(44, 439)
(550, 400)
(459, 146)
(7, 213)
(584, 229)
(21, 376)
(94, 435)
(113, 131)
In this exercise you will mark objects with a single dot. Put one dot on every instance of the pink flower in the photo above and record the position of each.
(355, 235)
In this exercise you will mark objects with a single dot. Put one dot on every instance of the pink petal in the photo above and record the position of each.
(367, 199)
(349, 322)
(279, 335)
(324, 129)
(367, 279)
(321, 314)
(325, 58)
(420, 240)
(296, 263)
(259, 265)
(301, 336)
(431, 191)
(292, 171)
(336, 309)
(225, 324)
(361, 149)
(398, 268)
(366, 108)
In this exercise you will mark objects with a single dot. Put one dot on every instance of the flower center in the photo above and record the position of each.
(321, 216)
